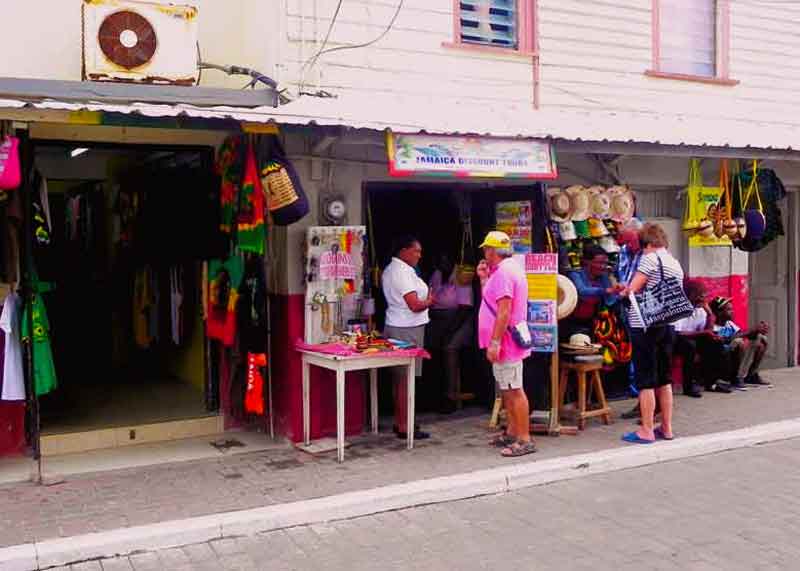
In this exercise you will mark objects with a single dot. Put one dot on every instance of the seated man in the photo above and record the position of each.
(595, 290)
(689, 332)
(745, 348)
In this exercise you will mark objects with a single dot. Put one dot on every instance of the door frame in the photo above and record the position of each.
(793, 246)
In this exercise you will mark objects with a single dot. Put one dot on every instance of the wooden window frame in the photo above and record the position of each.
(722, 49)
(527, 22)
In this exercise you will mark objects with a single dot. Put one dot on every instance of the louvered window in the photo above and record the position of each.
(489, 22)
(688, 37)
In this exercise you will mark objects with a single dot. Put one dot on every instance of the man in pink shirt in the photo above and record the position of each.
(504, 305)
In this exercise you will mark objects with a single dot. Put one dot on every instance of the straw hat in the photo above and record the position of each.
(567, 297)
(600, 202)
(560, 205)
(582, 343)
(566, 230)
(623, 204)
(581, 208)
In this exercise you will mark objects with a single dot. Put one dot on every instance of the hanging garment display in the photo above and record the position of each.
(176, 303)
(44, 371)
(230, 168)
(250, 230)
(42, 223)
(225, 278)
(10, 171)
(13, 378)
(254, 394)
(144, 307)
(252, 308)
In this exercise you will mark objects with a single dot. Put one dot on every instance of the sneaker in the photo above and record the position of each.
(755, 379)
(720, 387)
(692, 391)
(738, 385)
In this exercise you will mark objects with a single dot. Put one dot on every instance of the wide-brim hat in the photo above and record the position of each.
(623, 203)
(580, 342)
(567, 297)
(581, 206)
(599, 202)
(560, 205)
(705, 229)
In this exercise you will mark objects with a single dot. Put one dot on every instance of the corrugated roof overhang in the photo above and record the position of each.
(592, 132)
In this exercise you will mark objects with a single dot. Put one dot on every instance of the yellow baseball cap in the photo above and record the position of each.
(495, 239)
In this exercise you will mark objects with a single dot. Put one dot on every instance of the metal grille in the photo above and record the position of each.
(489, 22)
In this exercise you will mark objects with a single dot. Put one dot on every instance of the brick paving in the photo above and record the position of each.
(729, 511)
(110, 500)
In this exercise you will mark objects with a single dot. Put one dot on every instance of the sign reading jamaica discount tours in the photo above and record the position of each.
(467, 157)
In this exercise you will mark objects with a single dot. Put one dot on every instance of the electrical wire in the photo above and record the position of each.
(371, 42)
(322, 51)
(312, 61)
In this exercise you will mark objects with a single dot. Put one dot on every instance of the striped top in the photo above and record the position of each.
(648, 265)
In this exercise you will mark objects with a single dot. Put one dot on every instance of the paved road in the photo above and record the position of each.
(737, 510)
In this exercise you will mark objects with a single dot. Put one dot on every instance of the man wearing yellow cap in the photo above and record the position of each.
(504, 306)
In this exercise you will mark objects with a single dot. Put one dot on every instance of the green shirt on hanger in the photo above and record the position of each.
(44, 370)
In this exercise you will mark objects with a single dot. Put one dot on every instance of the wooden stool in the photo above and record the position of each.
(581, 369)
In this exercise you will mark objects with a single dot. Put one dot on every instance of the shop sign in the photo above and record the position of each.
(470, 157)
(541, 271)
(337, 266)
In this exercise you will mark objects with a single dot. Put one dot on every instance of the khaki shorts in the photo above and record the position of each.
(508, 375)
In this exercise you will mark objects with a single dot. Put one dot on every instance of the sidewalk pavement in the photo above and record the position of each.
(112, 500)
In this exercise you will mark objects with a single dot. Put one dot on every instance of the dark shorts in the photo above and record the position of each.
(652, 356)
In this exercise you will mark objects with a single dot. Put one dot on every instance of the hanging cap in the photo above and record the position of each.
(496, 239)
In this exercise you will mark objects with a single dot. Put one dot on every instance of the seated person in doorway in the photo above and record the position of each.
(594, 291)
(691, 333)
(742, 350)
(451, 326)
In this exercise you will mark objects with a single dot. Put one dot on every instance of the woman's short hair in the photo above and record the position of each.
(653, 234)
(402, 242)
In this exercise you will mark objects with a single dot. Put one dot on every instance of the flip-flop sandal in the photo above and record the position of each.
(661, 436)
(502, 441)
(633, 438)
(519, 449)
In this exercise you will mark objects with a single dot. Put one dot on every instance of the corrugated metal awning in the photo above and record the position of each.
(439, 117)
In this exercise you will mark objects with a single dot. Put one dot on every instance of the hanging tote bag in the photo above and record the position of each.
(691, 216)
(287, 200)
(754, 209)
(465, 272)
(663, 303)
(10, 171)
(701, 220)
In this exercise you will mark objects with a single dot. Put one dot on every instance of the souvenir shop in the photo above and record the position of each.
(140, 269)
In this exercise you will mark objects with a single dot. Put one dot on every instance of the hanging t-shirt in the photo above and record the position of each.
(224, 279)
(44, 370)
(229, 169)
(250, 232)
(13, 378)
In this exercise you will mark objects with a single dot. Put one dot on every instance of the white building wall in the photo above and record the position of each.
(41, 39)
(593, 56)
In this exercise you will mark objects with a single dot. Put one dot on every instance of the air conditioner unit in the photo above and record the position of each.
(139, 42)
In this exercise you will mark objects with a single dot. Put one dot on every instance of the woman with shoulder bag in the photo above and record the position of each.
(658, 275)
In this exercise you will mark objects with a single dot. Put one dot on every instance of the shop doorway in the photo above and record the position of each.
(435, 214)
(129, 227)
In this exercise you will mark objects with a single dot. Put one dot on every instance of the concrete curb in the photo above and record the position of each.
(58, 552)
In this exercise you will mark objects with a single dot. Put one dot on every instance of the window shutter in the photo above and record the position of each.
(489, 22)
(688, 37)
